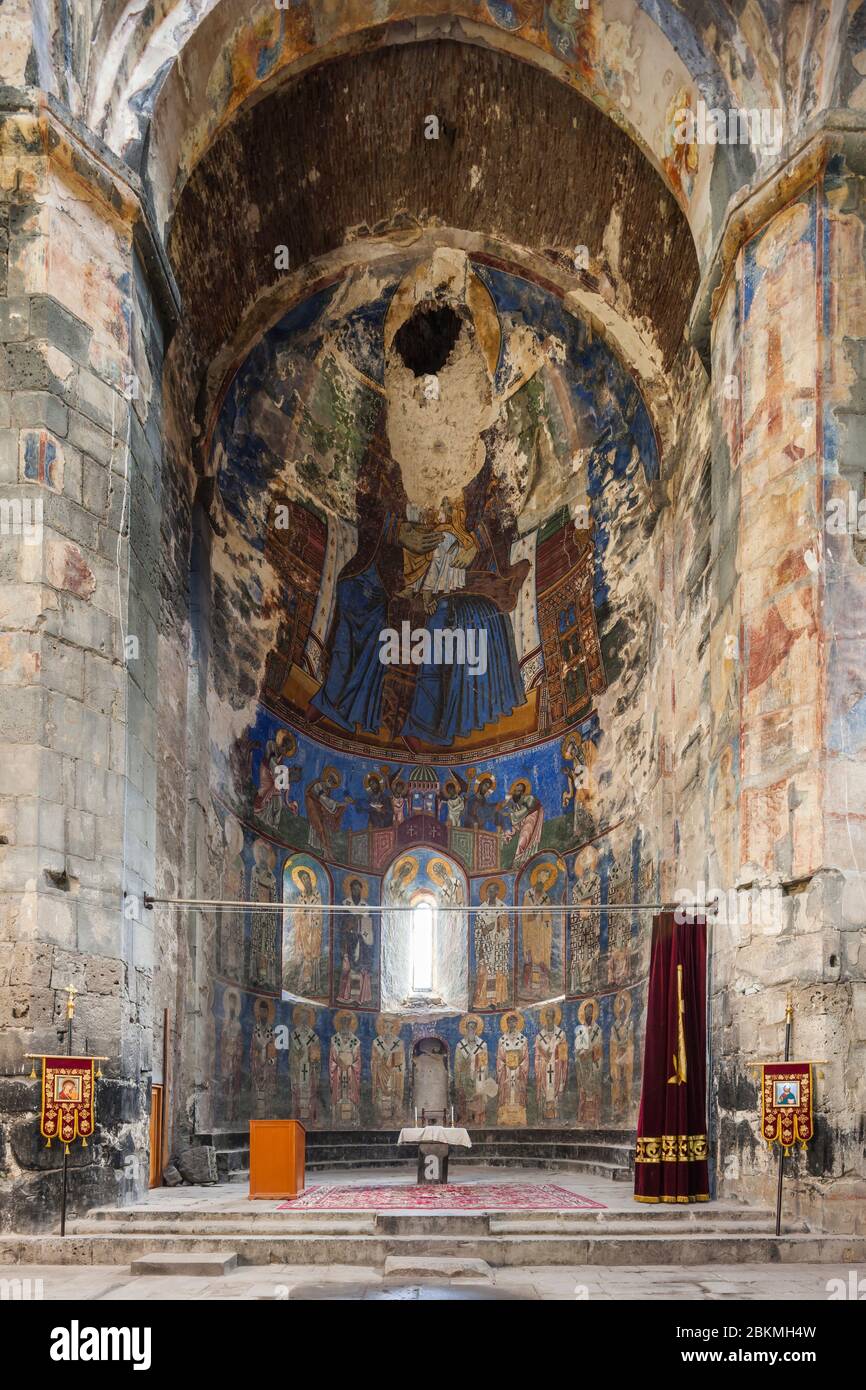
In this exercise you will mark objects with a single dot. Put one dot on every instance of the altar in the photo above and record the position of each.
(434, 1145)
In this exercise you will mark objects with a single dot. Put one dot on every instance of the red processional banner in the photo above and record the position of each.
(67, 1099)
(786, 1103)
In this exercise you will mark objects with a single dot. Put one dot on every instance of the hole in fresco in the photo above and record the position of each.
(425, 340)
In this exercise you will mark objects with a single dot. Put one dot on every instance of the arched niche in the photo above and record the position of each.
(419, 882)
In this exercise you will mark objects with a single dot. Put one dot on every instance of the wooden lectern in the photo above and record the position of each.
(276, 1158)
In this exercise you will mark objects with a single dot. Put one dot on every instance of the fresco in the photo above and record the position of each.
(491, 959)
(493, 815)
(306, 928)
(571, 1060)
(541, 929)
(570, 1063)
(356, 944)
(442, 447)
(367, 532)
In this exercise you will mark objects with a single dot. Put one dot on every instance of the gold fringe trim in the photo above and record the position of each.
(698, 1197)
(671, 1148)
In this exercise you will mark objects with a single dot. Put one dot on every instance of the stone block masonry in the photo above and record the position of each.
(80, 362)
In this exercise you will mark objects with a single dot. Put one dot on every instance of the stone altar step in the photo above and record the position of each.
(264, 1214)
(201, 1264)
(603, 1153)
(505, 1249)
(432, 1224)
(250, 1220)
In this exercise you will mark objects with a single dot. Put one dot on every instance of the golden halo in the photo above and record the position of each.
(351, 1020)
(332, 775)
(356, 878)
(450, 783)
(491, 883)
(465, 1020)
(303, 1013)
(434, 869)
(581, 1011)
(373, 777)
(550, 872)
(383, 1021)
(486, 777)
(581, 745)
(520, 782)
(511, 1013)
(397, 868)
(285, 742)
(557, 1013)
(305, 869)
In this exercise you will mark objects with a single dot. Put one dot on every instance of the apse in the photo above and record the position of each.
(432, 447)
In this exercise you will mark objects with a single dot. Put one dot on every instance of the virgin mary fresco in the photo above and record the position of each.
(434, 529)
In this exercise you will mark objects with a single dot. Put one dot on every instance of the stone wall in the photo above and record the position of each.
(81, 363)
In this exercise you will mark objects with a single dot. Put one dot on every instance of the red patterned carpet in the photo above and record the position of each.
(481, 1196)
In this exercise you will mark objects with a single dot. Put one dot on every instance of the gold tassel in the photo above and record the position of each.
(66, 1150)
(83, 1142)
(33, 1071)
(48, 1143)
(679, 1076)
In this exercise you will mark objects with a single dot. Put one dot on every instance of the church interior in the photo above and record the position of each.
(432, 603)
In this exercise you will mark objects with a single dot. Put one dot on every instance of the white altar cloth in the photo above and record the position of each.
(436, 1134)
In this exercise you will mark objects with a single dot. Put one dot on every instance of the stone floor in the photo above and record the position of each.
(629, 1283)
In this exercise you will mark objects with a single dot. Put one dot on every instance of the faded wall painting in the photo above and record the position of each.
(357, 932)
(434, 483)
(306, 928)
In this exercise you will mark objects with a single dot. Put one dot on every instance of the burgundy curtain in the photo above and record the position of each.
(671, 1156)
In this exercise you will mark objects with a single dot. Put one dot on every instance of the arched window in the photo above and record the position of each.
(423, 925)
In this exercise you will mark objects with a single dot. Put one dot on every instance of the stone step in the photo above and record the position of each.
(602, 1153)
(199, 1265)
(515, 1250)
(408, 1268)
(458, 1160)
(392, 1223)
(255, 1217)
(252, 1218)
(546, 1224)
(286, 1224)
(362, 1154)
(703, 1214)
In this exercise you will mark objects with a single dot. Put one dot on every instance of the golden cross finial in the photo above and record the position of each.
(71, 992)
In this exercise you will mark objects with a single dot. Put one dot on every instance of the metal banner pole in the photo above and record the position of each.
(789, 1020)
(70, 1010)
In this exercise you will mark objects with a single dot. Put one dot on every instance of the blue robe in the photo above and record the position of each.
(448, 701)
